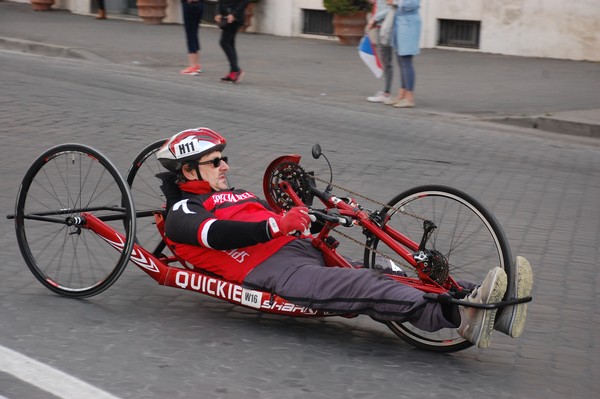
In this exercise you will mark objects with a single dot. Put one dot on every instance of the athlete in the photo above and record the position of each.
(234, 234)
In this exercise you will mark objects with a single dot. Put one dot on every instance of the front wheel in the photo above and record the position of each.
(467, 235)
(60, 185)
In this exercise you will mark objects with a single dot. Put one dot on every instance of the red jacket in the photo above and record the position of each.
(223, 232)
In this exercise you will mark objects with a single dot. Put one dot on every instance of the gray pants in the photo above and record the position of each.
(385, 54)
(296, 273)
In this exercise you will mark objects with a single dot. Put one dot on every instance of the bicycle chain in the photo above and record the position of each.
(397, 261)
(400, 262)
(370, 199)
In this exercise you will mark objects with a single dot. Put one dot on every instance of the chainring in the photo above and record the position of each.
(297, 178)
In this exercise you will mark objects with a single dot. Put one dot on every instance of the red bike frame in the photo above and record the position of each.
(399, 243)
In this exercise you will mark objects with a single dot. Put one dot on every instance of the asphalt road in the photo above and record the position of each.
(140, 340)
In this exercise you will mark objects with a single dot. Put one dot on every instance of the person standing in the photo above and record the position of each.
(192, 14)
(230, 17)
(406, 36)
(381, 24)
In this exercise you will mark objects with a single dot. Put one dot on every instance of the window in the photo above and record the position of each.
(456, 33)
(317, 22)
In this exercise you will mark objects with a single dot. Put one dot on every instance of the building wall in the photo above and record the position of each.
(534, 28)
(282, 17)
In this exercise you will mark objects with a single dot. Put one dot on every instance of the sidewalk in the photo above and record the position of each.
(549, 94)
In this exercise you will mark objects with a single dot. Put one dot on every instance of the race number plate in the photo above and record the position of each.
(251, 298)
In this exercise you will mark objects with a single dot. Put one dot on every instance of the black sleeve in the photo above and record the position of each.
(187, 219)
(229, 234)
(240, 7)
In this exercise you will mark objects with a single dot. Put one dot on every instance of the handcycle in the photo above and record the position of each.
(79, 222)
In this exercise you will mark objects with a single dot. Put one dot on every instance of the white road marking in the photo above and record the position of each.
(47, 378)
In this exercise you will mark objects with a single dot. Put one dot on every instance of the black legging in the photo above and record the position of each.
(192, 14)
(227, 43)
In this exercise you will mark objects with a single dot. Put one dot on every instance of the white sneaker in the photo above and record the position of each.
(378, 98)
(511, 319)
(477, 325)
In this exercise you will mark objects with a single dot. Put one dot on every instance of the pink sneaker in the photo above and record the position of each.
(237, 76)
(228, 78)
(193, 70)
(233, 77)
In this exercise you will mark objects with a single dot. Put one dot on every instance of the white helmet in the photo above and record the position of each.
(189, 145)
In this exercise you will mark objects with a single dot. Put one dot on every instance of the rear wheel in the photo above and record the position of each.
(467, 235)
(60, 251)
(148, 197)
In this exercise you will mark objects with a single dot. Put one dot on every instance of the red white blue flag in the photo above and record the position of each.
(369, 56)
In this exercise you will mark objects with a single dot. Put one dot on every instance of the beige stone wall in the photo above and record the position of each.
(535, 28)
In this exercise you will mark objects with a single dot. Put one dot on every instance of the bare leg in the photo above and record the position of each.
(194, 59)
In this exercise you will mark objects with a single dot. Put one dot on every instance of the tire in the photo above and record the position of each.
(467, 234)
(63, 182)
(147, 196)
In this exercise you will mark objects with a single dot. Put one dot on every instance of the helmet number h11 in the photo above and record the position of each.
(189, 145)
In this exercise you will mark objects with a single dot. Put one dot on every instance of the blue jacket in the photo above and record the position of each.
(407, 28)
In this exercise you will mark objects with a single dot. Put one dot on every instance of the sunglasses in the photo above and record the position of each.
(216, 162)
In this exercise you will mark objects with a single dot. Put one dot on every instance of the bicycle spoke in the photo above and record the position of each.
(467, 236)
(65, 181)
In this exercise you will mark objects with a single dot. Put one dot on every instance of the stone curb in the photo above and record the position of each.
(555, 125)
(50, 50)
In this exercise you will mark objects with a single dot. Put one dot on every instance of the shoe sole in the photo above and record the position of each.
(518, 313)
(487, 325)
(495, 296)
